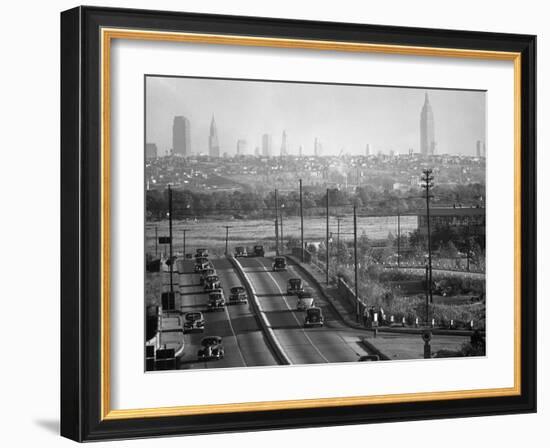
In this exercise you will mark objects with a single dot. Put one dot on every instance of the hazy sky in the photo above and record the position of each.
(342, 117)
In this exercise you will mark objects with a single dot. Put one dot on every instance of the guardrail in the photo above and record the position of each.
(264, 323)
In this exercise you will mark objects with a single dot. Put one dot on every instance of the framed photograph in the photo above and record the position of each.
(273, 223)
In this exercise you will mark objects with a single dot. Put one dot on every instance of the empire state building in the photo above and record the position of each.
(427, 139)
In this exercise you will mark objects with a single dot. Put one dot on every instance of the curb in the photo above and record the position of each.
(371, 348)
(266, 327)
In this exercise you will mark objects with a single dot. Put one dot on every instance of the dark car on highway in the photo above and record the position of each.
(294, 286)
(259, 251)
(216, 300)
(201, 253)
(314, 317)
(238, 295)
(240, 251)
(279, 264)
(211, 282)
(193, 321)
(206, 273)
(211, 348)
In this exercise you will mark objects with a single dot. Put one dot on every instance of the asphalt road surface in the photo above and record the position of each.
(244, 342)
(334, 342)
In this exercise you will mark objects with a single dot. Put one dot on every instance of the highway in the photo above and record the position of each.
(245, 344)
(334, 342)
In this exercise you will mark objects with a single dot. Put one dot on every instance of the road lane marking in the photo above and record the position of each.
(292, 311)
(234, 334)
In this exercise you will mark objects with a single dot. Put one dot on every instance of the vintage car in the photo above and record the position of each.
(238, 295)
(305, 300)
(295, 286)
(211, 348)
(206, 273)
(259, 251)
(211, 282)
(216, 300)
(193, 322)
(201, 253)
(201, 264)
(240, 251)
(279, 264)
(314, 317)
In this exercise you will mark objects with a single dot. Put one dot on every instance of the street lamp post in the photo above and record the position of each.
(184, 242)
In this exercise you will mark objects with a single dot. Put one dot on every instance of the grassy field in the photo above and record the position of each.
(210, 233)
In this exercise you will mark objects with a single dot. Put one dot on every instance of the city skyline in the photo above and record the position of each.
(385, 118)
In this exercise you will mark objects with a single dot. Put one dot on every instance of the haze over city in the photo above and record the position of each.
(343, 118)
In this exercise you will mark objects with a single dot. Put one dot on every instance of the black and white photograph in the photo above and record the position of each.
(292, 223)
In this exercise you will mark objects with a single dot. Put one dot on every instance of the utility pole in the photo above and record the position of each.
(227, 239)
(170, 228)
(276, 223)
(427, 298)
(302, 222)
(355, 263)
(338, 220)
(398, 239)
(469, 248)
(156, 240)
(327, 248)
(427, 179)
(282, 234)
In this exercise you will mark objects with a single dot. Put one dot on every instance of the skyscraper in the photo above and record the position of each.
(213, 142)
(427, 139)
(284, 150)
(241, 147)
(266, 145)
(301, 151)
(478, 148)
(367, 150)
(317, 148)
(181, 136)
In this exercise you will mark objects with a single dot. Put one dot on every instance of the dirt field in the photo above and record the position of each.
(210, 233)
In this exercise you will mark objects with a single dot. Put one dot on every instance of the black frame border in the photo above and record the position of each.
(81, 223)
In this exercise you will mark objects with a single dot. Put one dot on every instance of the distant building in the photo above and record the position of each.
(257, 151)
(470, 218)
(241, 147)
(427, 135)
(266, 145)
(213, 142)
(284, 149)
(367, 150)
(317, 148)
(480, 149)
(301, 151)
(151, 151)
(181, 136)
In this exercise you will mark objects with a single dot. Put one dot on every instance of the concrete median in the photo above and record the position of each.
(264, 323)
